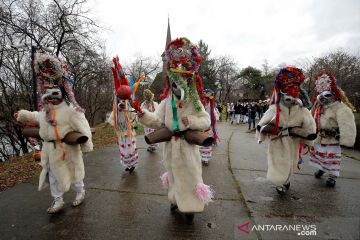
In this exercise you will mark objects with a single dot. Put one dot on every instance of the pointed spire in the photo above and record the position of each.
(168, 34)
(168, 39)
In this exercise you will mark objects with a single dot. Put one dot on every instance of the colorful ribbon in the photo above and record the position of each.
(58, 139)
(174, 108)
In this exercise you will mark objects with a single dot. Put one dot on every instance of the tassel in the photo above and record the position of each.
(165, 180)
(213, 120)
(345, 100)
(204, 193)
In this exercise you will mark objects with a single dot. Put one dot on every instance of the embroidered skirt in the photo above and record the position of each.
(326, 157)
(128, 151)
(205, 153)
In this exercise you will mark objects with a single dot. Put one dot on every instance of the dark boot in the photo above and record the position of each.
(281, 190)
(205, 163)
(318, 174)
(287, 186)
(131, 169)
(189, 217)
(173, 207)
(331, 181)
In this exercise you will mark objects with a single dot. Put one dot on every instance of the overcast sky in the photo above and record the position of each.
(281, 31)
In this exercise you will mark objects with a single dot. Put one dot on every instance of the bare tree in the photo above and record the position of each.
(64, 27)
(143, 66)
(227, 76)
(93, 84)
(344, 66)
(53, 24)
(147, 67)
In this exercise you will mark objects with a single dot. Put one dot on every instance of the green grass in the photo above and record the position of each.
(140, 129)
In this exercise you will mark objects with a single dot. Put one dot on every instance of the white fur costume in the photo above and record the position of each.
(150, 108)
(283, 153)
(182, 160)
(68, 171)
(326, 154)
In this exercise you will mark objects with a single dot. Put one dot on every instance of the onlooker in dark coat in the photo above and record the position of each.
(252, 115)
(237, 109)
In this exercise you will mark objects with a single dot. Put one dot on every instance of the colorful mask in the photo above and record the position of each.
(324, 83)
(183, 79)
(288, 80)
(181, 54)
(290, 101)
(325, 98)
(51, 94)
(49, 69)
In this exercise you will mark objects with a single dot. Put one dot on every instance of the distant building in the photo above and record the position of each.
(159, 82)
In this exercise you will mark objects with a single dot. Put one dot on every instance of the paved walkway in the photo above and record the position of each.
(335, 212)
(123, 206)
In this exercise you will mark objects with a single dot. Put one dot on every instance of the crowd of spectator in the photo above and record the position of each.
(243, 111)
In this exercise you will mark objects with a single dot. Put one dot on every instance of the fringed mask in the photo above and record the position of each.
(52, 95)
(287, 86)
(48, 68)
(288, 81)
(328, 91)
(325, 87)
(181, 54)
(183, 79)
(287, 89)
(289, 100)
(51, 73)
(325, 98)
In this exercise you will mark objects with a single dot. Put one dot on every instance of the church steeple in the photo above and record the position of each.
(168, 39)
(168, 34)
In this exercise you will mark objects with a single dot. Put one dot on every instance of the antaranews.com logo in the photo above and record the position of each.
(299, 229)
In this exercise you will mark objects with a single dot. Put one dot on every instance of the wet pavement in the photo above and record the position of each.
(120, 205)
(335, 212)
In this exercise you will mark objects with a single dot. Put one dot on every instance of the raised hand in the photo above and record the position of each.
(136, 106)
